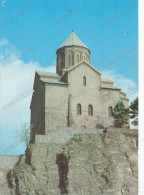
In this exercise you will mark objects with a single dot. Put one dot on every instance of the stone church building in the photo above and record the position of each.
(76, 95)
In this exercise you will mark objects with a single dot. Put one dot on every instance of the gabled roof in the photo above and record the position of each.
(123, 93)
(105, 80)
(73, 39)
(47, 74)
(45, 80)
(124, 98)
(110, 87)
(86, 63)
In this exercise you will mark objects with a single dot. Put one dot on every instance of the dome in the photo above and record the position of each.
(73, 39)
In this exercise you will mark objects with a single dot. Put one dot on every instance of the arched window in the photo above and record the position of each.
(70, 59)
(110, 111)
(84, 81)
(87, 58)
(78, 58)
(62, 59)
(79, 109)
(84, 57)
(90, 110)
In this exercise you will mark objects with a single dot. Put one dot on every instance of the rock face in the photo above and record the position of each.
(6, 163)
(4, 190)
(96, 164)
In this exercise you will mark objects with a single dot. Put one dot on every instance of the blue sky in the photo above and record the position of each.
(34, 24)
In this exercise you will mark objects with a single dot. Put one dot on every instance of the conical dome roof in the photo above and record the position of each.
(73, 39)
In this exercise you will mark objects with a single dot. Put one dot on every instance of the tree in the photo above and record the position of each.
(24, 135)
(134, 111)
(121, 113)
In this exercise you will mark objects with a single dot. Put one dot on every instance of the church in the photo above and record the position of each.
(76, 95)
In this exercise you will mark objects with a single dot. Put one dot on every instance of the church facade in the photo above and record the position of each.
(76, 95)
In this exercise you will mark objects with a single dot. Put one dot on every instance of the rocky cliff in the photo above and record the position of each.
(96, 164)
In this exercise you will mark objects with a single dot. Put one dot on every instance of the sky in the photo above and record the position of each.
(31, 32)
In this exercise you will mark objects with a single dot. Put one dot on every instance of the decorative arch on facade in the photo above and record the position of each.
(110, 111)
(87, 58)
(81, 56)
(62, 59)
(84, 81)
(70, 58)
(79, 109)
(90, 110)
(77, 58)
(84, 57)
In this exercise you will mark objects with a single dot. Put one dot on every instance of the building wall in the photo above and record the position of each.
(91, 94)
(37, 110)
(56, 107)
(108, 98)
(84, 95)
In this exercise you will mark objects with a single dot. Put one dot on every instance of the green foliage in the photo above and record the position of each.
(134, 111)
(75, 137)
(121, 113)
(99, 126)
(24, 135)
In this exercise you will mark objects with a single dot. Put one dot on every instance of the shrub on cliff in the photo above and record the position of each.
(121, 113)
(134, 111)
(24, 134)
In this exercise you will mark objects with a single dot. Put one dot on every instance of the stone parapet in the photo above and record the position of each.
(124, 131)
(64, 134)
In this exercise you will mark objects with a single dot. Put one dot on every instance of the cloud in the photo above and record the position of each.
(3, 42)
(16, 79)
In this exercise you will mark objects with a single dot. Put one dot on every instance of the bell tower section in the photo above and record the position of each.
(71, 52)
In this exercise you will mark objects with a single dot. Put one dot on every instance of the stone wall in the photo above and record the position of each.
(38, 110)
(125, 131)
(6, 163)
(56, 107)
(63, 135)
(96, 164)
(89, 95)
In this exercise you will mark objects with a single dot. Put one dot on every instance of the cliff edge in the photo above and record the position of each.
(96, 164)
